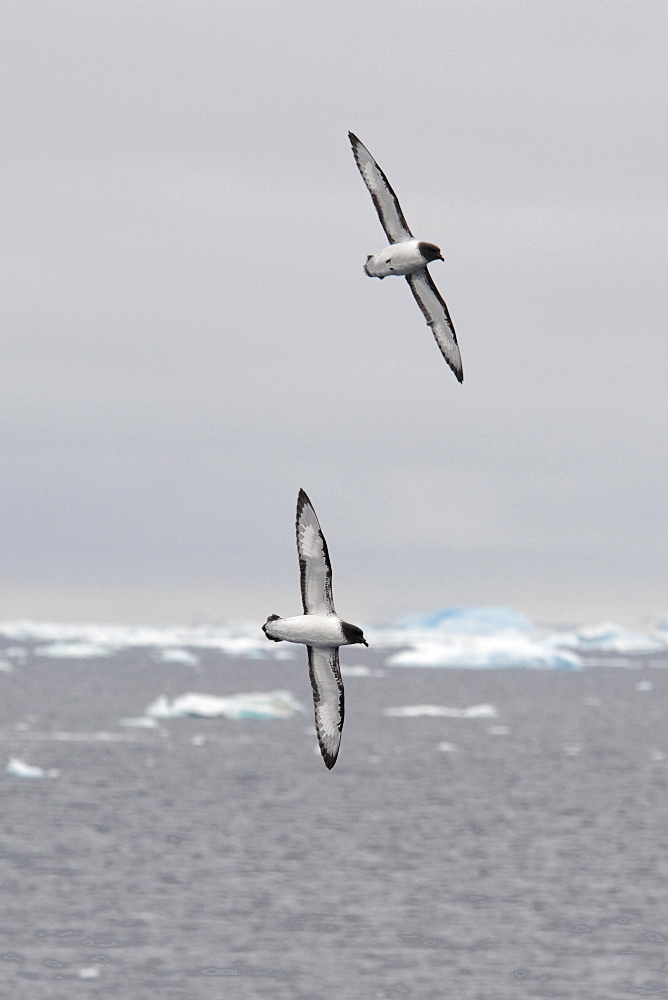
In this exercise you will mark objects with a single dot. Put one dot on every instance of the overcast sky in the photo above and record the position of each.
(189, 336)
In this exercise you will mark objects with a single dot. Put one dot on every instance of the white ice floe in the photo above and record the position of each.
(644, 686)
(446, 747)
(503, 649)
(55, 639)
(442, 711)
(60, 736)
(5, 667)
(610, 638)
(17, 768)
(89, 972)
(15, 652)
(498, 730)
(611, 661)
(74, 650)
(181, 656)
(361, 670)
(256, 705)
(139, 722)
(159, 709)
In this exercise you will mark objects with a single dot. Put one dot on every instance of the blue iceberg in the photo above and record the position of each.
(468, 621)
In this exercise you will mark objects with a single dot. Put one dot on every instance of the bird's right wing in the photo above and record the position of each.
(314, 565)
(437, 316)
(386, 202)
(323, 665)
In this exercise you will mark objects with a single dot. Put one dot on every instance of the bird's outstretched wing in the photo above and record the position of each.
(386, 202)
(437, 316)
(323, 665)
(314, 565)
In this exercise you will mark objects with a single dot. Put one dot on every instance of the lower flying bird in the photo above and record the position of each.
(406, 255)
(319, 629)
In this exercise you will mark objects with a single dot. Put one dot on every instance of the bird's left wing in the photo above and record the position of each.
(314, 565)
(437, 316)
(386, 202)
(323, 665)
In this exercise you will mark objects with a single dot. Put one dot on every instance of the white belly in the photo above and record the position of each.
(397, 258)
(312, 630)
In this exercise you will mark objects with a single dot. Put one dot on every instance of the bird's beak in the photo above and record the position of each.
(441, 257)
(365, 643)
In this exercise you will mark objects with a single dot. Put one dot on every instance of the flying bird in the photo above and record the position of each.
(406, 255)
(319, 629)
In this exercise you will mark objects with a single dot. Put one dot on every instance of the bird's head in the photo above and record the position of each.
(353, 635)
(266, 628)
(430, 251)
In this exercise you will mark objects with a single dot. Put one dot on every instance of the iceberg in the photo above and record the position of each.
(474, 638)
(468, 621)
(257, 705)
(485, 652)
(485, 638)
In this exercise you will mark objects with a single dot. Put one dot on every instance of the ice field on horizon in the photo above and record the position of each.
(478, 638)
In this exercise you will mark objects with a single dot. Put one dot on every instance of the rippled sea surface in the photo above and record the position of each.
(473, 858)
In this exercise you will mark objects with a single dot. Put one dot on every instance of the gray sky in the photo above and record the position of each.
(189, 336)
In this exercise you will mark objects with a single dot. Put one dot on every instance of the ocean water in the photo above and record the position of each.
(480, 855)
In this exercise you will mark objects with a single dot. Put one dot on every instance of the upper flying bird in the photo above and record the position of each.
(319, 629)
(406, 255)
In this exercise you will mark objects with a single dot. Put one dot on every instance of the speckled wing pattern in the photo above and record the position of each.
(314, 565)
(323, 665)
(386, 202)
(437, 316)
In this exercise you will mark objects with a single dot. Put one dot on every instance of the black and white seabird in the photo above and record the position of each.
(319, 629)
(406, 255)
